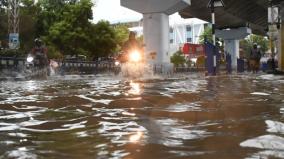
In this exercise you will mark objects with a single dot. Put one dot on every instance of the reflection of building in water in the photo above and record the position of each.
(181, 30)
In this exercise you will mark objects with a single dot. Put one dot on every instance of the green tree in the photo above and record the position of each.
(104, 39)
(70, 34)
(121, 34)
(178, 59)
(51, 12)
(65, 27)
(3, 28)
(207, 33)
(28, 14)
(248, 42)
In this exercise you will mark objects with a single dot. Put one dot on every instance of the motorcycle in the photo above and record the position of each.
(117, 67)
(37, 65)
(131, 64)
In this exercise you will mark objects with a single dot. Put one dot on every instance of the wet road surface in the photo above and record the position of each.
(240, 116)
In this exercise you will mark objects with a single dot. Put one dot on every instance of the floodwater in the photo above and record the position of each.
(103, 116)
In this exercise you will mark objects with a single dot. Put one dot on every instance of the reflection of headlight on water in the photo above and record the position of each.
(30, 59)
(30, 86)
(135, 56)
(116, 63)
(136, 137)
(135, 88)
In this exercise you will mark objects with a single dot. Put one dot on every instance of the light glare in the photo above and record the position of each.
(136, 137)
(135, 56)
(30, 59)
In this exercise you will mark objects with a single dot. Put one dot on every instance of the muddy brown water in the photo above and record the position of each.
(225, 117)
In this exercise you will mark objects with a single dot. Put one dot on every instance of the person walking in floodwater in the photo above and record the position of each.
(255, 56)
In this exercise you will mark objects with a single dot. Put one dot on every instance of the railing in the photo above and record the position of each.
(64, 67)
(81, 67)
(189, 69)
(12, 63)
(85, 67)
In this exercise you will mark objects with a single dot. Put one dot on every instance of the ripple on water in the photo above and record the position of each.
(271, 144)
(260, 93)
(184, 107)
(21, 153)
(107, 117)
(173, 132)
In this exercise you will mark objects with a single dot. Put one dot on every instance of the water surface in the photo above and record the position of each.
(103, 116)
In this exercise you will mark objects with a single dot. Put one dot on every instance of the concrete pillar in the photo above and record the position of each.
(231, 38)
(156, 33)
(233, 48)
(156, 26)
(281, 41)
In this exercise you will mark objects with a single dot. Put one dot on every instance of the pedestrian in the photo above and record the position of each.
(255, 56)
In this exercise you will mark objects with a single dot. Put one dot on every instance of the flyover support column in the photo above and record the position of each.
(156, 36)
(233, 48)
(231, 38)
(156, 27)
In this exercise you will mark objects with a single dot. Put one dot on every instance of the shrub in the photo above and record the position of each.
(178, 59)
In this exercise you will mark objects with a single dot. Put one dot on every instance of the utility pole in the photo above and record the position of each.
(273, 28)
(212, 5)
(13, 23)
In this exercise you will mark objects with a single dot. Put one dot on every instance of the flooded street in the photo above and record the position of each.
(103, 116)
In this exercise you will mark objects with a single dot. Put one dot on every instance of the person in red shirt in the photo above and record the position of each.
(40, 54)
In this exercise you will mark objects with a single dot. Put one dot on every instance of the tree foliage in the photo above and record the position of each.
(104, 39)
(122, 33)
(206, 34)
(65, 27)
(178, 59)
(248, 42)
(70, 34)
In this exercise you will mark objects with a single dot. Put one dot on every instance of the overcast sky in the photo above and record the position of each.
(112, 11)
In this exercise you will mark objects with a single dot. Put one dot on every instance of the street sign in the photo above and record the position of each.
(217, 3)
(14, 42)
(273, 15)
(273, 32)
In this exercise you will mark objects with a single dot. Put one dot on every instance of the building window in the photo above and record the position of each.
(189, 40)
(188, 28)
(188, 34)
(171, 35)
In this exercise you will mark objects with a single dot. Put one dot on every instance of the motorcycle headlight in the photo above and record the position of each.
(30, 59)
(116, 63)
(135, 56)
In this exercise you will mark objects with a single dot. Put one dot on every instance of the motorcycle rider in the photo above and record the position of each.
(130, 45)
(40, 54)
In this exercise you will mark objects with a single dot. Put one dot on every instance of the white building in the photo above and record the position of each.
(181, 30)
(184, 31)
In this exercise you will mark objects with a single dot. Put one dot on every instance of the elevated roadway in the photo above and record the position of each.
(251, 14)
(235, 14)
